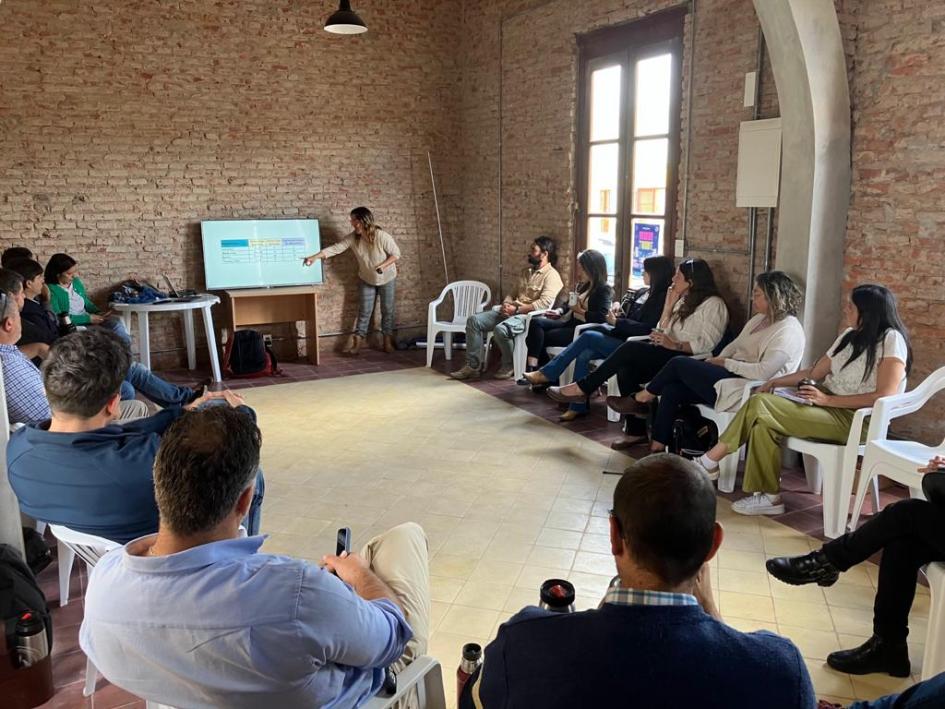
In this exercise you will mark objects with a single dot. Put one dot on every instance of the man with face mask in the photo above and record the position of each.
(538, 287)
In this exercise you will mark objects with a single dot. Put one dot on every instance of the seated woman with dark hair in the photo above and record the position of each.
(639, 313)
(770, 345)
(67, 295)
(556, 327)
(869, 360)
(693, 322)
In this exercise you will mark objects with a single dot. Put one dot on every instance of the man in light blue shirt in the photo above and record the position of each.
(196, 616)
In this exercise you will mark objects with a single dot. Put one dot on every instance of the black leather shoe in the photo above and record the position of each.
(874, 655)
(799, 570)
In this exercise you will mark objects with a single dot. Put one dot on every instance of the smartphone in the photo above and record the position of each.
(343, 543)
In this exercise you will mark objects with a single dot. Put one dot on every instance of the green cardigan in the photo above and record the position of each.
(59, 301)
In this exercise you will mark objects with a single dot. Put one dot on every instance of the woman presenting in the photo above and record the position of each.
(376, 252)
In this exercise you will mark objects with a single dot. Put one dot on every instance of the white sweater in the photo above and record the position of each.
(704, 329)
(770, 352)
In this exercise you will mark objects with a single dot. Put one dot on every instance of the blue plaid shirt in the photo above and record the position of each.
(26, 396)
(634, 597)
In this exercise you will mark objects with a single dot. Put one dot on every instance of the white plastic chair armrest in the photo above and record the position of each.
(638, 338)
(852, 449)
(409, 678)
(749, 387)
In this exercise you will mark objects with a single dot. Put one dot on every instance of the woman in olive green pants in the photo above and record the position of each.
(868, 361)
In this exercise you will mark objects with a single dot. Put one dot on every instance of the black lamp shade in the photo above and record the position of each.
(345, 21)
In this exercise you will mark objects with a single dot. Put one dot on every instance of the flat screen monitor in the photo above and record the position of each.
(259, 253)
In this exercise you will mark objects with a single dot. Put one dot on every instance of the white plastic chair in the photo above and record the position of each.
(469, 298)
(425, 674)
(897, 460)
(728, 466)
(831, 467)
(90, 549)
(933, 660)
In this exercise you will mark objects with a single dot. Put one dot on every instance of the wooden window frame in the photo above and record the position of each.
(655, 34)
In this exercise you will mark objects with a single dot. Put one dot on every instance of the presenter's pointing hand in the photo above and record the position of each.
(309, 260)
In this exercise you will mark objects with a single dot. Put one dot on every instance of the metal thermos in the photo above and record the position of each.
(472, 658)
(31, 644)
(557, 595)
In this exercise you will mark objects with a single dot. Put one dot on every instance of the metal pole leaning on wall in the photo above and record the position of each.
(439, 226)
(753, 211)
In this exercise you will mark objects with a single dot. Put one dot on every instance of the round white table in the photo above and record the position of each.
(203, 302)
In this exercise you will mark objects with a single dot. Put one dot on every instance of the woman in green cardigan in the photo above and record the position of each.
(68, 295)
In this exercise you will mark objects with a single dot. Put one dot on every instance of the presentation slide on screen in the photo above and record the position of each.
(260, 253)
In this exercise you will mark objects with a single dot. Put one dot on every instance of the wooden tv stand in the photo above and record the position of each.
(267, 306)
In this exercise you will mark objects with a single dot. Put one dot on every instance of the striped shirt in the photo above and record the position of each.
(26, 396)
(635, 597)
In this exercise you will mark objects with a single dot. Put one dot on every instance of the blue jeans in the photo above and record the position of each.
(369, 294)
(162, 393)
(590, 345)
(117, 325)
(929, 694)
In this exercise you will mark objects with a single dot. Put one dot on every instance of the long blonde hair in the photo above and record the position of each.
(366, 217)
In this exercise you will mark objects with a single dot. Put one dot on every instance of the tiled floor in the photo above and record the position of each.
(508, 499)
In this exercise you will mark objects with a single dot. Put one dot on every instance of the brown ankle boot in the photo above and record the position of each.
(354, 345)
(389, 345)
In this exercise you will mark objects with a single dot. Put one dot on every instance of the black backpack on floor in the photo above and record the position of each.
(247, 355)
(693, 433)
(19, 592)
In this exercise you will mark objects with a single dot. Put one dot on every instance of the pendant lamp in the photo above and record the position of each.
(345, 21)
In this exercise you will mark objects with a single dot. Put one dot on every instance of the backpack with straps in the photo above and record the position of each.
(247, 356)
(693, 434)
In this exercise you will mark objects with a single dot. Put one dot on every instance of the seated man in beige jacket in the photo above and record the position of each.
(538, 288)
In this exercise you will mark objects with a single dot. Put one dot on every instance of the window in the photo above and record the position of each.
(629, 142)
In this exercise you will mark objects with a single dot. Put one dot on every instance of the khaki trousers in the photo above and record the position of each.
(132, 409)
(765, 420)
(401, 559)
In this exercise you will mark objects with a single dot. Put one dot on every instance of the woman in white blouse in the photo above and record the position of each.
(693, 322)
(770, 345)
(869, 360)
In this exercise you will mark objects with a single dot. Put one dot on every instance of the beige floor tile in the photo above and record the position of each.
(452, 565)
(550, 557)
(437, 611)
(813, 644)
(744, 581)
(597, 543)
(814, 616)
(468, 621)
(852, 621)
(567, 504)
(483, 594)
(598, 525)
(559, 539)
(592, 563)
(811, 593)
(877, 685)
(444, 589)
(851, 596)
(746, 605)
(740, 560)
(519, 598)
(828, 681)
(574, 521)
(502, 573)
(786, 546)
(501, 549)
(586, 584)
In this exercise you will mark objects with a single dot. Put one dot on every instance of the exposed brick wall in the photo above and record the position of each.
(539, 63)
(123, 124)
(897, 212)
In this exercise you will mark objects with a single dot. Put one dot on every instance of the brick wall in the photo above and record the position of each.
(897, 216)
(539, 64)
(123, 124)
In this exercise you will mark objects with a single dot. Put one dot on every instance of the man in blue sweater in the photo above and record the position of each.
(657, 639)
(83, 470)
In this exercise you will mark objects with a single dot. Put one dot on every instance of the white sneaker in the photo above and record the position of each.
(760, 503)
(712, 474)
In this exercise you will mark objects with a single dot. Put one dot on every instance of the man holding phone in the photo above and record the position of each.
(198, 613)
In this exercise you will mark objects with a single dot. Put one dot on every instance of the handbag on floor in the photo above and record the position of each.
(247, 355)
(693, 434)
